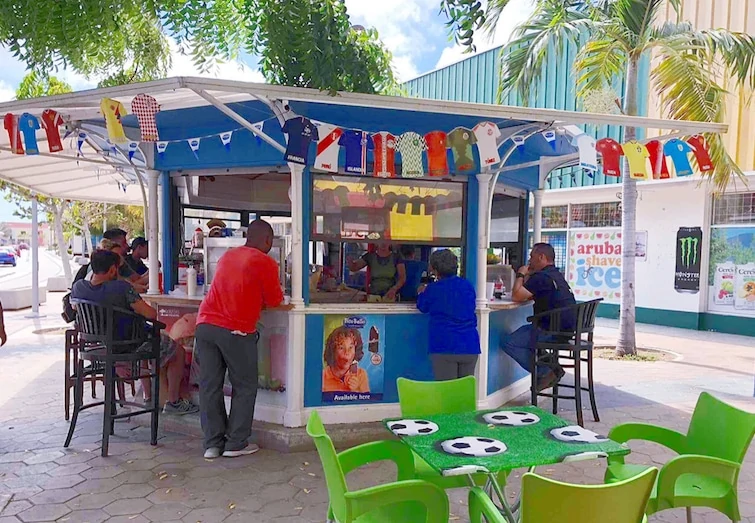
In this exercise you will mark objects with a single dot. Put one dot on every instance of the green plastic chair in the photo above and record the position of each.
(706, 471)
(406, 500)
(545, 501)
(418, 399)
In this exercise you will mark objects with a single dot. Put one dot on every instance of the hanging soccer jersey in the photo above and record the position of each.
(437, 165)
(300, 133)
(28, 126)
(411, 145)
(327, 147)
(637, 155)
(588, 156)
(385, 154)
(461, 140)
(356, 143)
(700, 148)
(145, 108)
(657, 160)
(678, 150)
(487, 134)
(611, 151)
(10, 122)
(113, 111)
(51, 120)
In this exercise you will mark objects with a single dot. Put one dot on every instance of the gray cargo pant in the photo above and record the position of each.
(219, 349)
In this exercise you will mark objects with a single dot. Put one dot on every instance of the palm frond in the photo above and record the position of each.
(737, 50)
(685, 81)
(638, 16)
(553, 24)
(598, 63)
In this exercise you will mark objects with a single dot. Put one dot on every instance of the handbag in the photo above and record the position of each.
(411, 226)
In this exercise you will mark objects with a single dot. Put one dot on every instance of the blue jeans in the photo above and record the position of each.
(519, 347)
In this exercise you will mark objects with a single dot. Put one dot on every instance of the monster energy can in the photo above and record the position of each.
(689, 247)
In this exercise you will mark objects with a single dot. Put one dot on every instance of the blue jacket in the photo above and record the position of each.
(450, 303)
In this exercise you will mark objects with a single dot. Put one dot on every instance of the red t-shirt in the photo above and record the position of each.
(657, 159)
(245, 281)
(700, 148)
(437, 163)
(611, 151)
(10, 122)
(51, 120)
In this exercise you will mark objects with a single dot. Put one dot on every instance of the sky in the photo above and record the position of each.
(413, 30)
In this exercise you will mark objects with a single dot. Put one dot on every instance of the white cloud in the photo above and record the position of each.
(6, 91)
(183, 66)
(408, 28)
(515, 13)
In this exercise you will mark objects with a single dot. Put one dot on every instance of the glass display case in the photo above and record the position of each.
(214, 248)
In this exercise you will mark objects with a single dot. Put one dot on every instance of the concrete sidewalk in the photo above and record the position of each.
(41, 481)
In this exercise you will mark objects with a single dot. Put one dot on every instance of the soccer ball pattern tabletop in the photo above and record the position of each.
(500, 439)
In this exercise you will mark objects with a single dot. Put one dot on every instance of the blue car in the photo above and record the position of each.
(7, 256)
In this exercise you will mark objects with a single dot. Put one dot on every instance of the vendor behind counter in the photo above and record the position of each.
(387, 271)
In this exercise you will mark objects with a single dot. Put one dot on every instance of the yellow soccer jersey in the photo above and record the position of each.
(113, 111)
(637, 155)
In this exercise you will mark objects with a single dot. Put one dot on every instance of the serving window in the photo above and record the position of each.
(375, 210)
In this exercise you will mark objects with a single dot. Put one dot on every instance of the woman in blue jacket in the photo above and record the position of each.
(453, 342)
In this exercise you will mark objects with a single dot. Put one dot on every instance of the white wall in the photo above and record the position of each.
(662, 208)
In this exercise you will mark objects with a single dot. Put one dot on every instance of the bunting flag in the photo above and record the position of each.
(518, 140)
(80, 139)
(161, 147)
(132, 148)
(194, 146)
(550, 137)
(225, 138)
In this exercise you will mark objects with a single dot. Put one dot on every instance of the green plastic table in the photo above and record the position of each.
(498, 440)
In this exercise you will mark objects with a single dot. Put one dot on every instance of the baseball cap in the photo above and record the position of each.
(138, 242)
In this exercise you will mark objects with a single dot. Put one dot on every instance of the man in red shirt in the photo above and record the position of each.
(245, 282)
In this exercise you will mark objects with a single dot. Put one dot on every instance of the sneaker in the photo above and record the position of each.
(246, 451)
(212, 453)
(180, 407)
(550, 378)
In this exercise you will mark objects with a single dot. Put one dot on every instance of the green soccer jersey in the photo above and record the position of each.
(411, 145)
(461, 140)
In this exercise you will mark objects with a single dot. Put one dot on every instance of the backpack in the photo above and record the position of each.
(69, 312)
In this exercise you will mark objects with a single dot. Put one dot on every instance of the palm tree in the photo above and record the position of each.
(687, 71)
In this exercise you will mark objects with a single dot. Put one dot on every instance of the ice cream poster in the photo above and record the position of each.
(353, 358)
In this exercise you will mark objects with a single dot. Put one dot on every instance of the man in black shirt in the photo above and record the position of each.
(139, 252)
(542, 282)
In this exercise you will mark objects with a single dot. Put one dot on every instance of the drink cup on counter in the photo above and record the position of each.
(489, 287)
(286, 300)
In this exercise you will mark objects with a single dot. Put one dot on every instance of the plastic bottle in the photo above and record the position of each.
(498, 288)
(191, 281)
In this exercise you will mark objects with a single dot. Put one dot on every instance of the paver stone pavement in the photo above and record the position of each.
(42, 481)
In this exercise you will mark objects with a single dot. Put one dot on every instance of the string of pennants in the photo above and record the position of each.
(420, 155)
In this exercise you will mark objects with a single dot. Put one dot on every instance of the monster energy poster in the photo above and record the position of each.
(689, 245)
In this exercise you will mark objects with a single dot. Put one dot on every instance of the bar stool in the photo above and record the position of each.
(574, 346)
(101, 347)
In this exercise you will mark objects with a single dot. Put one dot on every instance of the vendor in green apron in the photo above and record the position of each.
(387, 272)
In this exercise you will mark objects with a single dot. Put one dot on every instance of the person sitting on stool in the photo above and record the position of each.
(543, 282)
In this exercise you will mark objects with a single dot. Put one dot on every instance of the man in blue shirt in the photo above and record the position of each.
(453, 341)
(542, 282)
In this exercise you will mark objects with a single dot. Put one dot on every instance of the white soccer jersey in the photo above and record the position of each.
(487, 134)
(327, 147)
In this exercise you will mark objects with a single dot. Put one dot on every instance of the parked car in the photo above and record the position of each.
(7, 256)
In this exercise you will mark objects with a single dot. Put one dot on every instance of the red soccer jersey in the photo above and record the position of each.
(245, 281)
(10, 122)
(611, 151)
(50, 121)
(657, 160)
(437, 164)
(385, 154)
(700, 148)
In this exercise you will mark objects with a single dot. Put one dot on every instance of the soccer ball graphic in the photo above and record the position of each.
(577, 434)
(473, 447)
(464, 470)
(511, 418)
(412, 427)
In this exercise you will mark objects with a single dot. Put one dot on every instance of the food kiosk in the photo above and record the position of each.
(337, 174)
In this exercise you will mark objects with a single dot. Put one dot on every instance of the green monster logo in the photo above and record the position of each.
(689, 250)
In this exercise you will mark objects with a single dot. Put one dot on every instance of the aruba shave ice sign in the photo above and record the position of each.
(595, 265)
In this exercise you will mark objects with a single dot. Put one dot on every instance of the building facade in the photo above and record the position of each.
(696, 249)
